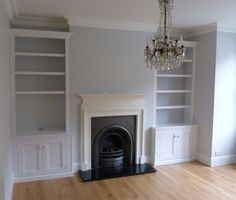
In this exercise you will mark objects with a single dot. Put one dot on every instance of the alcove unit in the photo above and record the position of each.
(175, 135)
(40, 103)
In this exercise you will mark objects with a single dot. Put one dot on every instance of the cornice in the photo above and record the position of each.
(11, 7)
(110, 24)
(201, 30)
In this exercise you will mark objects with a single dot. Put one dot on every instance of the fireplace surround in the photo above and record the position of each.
(110, 105)
(112, 139)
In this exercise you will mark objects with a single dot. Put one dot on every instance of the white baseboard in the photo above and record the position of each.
(174, 161)
(43, 177)
(216, 161)
(204, 159)
(11, 187)
(76, 167)
(223, 160)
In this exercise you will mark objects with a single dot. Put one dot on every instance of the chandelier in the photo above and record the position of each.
(164, 51)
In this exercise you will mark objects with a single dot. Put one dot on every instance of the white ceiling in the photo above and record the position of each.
(186, 13)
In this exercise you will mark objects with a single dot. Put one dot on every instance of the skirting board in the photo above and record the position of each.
(174, 161)
(216, 161)
(43, 177)
(76, 167)
(10, 195)
(204, 159)
(223, 160)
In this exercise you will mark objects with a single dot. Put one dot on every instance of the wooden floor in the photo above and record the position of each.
(187, 181)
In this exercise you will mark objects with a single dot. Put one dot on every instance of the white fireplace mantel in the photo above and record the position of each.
(102, 105)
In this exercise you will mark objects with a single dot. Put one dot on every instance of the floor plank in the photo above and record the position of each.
(186, 181)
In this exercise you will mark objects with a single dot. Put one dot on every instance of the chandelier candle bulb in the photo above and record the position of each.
(165, 52)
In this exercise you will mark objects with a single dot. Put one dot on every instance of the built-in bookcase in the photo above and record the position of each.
(174, 92)
(39, 82)
(41, 142)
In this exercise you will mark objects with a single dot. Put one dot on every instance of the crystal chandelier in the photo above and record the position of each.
(163, 51)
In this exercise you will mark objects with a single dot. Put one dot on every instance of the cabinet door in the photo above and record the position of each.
(56, 155)
(29, 158)
(166, 144)
(184, 143)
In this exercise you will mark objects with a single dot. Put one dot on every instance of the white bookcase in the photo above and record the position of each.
(40, 100)
(174, 92)
(175, 135)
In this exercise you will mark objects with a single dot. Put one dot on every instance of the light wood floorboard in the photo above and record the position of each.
(186, 181)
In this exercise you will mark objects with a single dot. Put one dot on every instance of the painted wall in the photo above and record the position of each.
(5, 166)
(104, 60)
(224, 129)
(204, 98)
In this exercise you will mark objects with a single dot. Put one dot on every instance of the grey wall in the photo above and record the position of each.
(5, 166)
(224, 130)
(110, 61)
(204, 98)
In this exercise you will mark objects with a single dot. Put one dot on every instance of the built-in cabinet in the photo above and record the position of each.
(37, 156)
(174, 136)
(174, 144)
(40, 102)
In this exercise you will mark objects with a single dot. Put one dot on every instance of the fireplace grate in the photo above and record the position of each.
(112, 158)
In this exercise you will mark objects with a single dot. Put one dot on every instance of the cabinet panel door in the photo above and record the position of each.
(30, 159)
(165, 145)
(184, 143)
(56, 156)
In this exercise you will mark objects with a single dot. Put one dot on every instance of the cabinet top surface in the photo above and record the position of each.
(175, 126)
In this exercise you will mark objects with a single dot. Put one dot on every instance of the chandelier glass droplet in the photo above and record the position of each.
(164, 51)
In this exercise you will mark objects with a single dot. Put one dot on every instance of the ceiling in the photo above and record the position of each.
(186, 14)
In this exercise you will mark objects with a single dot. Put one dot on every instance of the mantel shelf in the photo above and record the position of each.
(39, 73)
(40, 54)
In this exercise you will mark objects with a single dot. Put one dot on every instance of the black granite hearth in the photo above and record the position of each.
(107, 173)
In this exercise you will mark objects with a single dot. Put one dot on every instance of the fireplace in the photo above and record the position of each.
(113, 141)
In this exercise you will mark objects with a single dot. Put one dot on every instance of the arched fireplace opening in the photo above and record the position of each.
(113, 147)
